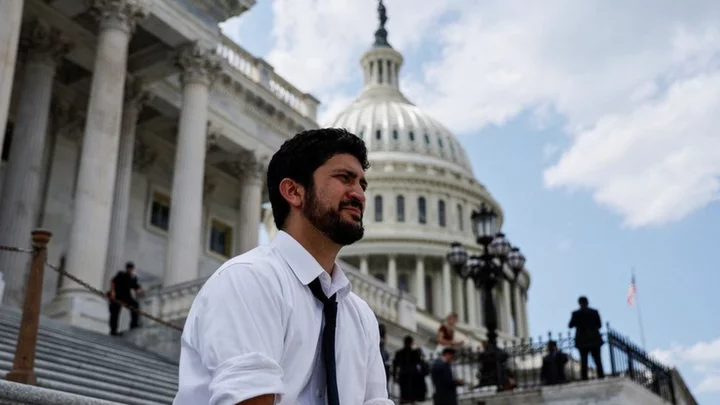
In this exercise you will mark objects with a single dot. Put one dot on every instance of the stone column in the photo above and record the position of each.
(446, 288)
(507, 317)
(253, 172)
(519, 328)
(11, 12)
(364, 268)
(473, 307)
(135, 96)
(420, 282)
(392, 272)
(22, 188)
(200, 66)
(525, 320)
(92, 207)
(459, 297)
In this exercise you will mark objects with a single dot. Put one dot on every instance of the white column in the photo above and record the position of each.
(135, 97)
(200, 66)
(472, 302)
(22, 188)
(250, 203)
(392, 272)
(364, 269)
(11, 12)
(446, 288)
(507, 318)
(525, 320)
(519, 327)
(459, 297)
(92, 206)
(420, 281)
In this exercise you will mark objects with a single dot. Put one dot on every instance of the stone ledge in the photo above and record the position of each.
(20, 394)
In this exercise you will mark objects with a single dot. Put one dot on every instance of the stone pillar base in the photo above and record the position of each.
(80, 309)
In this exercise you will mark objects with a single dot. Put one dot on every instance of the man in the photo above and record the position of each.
(120, 287)
(443, 380)
(588, 340)
(553, 365)
(260, 331)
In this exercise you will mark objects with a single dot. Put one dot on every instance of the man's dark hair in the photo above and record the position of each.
(583, 301)
(300, 156)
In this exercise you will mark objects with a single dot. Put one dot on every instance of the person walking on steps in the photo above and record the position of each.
(279, 324)
(120, 290)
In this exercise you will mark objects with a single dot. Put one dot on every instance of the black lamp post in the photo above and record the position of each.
(486, 270)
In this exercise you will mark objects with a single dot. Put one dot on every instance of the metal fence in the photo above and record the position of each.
(525, 364)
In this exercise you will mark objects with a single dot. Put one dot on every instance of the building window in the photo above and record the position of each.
(441, 213)
(412, 136)
(461, 218)
(160, 211)
(403, 282)
(395, 134)
(429, 294)
(378, 134)
(440, 142)
(220, 238)
(422, 218)
(400, 208)
(380, 72)
(427, 139)
(361, 135)
(378, 208)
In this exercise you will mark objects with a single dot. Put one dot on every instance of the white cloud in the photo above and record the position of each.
(635, 82)
(702, 358)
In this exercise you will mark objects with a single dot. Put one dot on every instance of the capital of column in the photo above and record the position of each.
(43, 44)
(198, 63)
(249, 167)
(136, 92)
(118, 14)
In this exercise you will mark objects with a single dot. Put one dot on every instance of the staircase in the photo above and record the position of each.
(85, 363)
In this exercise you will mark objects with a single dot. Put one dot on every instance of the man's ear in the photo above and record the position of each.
(293, 192)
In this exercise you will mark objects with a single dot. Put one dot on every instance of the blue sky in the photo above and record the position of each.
(593, 125)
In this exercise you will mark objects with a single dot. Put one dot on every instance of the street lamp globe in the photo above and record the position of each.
(473, 267)
(457, 256)
(516, 260)
(500, 246)
(484, 221)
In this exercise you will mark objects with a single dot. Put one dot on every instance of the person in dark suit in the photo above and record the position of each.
(588, 340)
(408, 371)
(553, 365)
(442, 377)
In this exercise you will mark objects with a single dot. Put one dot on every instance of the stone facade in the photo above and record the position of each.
(157, 163)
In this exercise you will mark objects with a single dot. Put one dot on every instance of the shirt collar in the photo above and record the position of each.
(307, 268)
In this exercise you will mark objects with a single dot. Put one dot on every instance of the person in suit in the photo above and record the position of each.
(553, 365)
(588, 340)
(443, 379)
(407, 370)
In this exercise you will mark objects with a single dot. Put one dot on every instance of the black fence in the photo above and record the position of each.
(528, 364)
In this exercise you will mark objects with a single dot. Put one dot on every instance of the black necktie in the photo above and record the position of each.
(328, 340)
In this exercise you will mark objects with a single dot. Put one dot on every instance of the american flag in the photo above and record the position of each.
(631, 292)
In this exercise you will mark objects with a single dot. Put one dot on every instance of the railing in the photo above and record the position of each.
(263, 74)
(387, 302)
(522, 365)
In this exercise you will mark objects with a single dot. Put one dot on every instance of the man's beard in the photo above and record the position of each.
(330, 222)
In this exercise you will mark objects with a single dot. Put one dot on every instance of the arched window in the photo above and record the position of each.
(400, 208)
(422, 217)
(441, 213)
(461, 218)
(378, 208)
(395, 134)
(412, 136)
(427, 139)
(378, 134)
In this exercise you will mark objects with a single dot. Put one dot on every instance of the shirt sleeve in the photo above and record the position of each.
(376, 382)
(239, 332)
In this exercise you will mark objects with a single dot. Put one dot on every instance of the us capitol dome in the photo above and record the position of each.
(420, 198)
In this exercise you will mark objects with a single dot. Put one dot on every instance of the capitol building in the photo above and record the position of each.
(420, 198)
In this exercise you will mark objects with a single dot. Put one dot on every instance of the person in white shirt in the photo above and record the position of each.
(269, 326)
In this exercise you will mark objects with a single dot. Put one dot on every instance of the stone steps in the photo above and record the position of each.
(85, 363)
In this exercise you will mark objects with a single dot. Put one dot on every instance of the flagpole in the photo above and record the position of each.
(639, 313)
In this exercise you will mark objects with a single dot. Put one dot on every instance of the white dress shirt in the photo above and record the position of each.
(255, 327)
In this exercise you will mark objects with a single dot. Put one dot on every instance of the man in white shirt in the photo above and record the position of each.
(267, 324)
